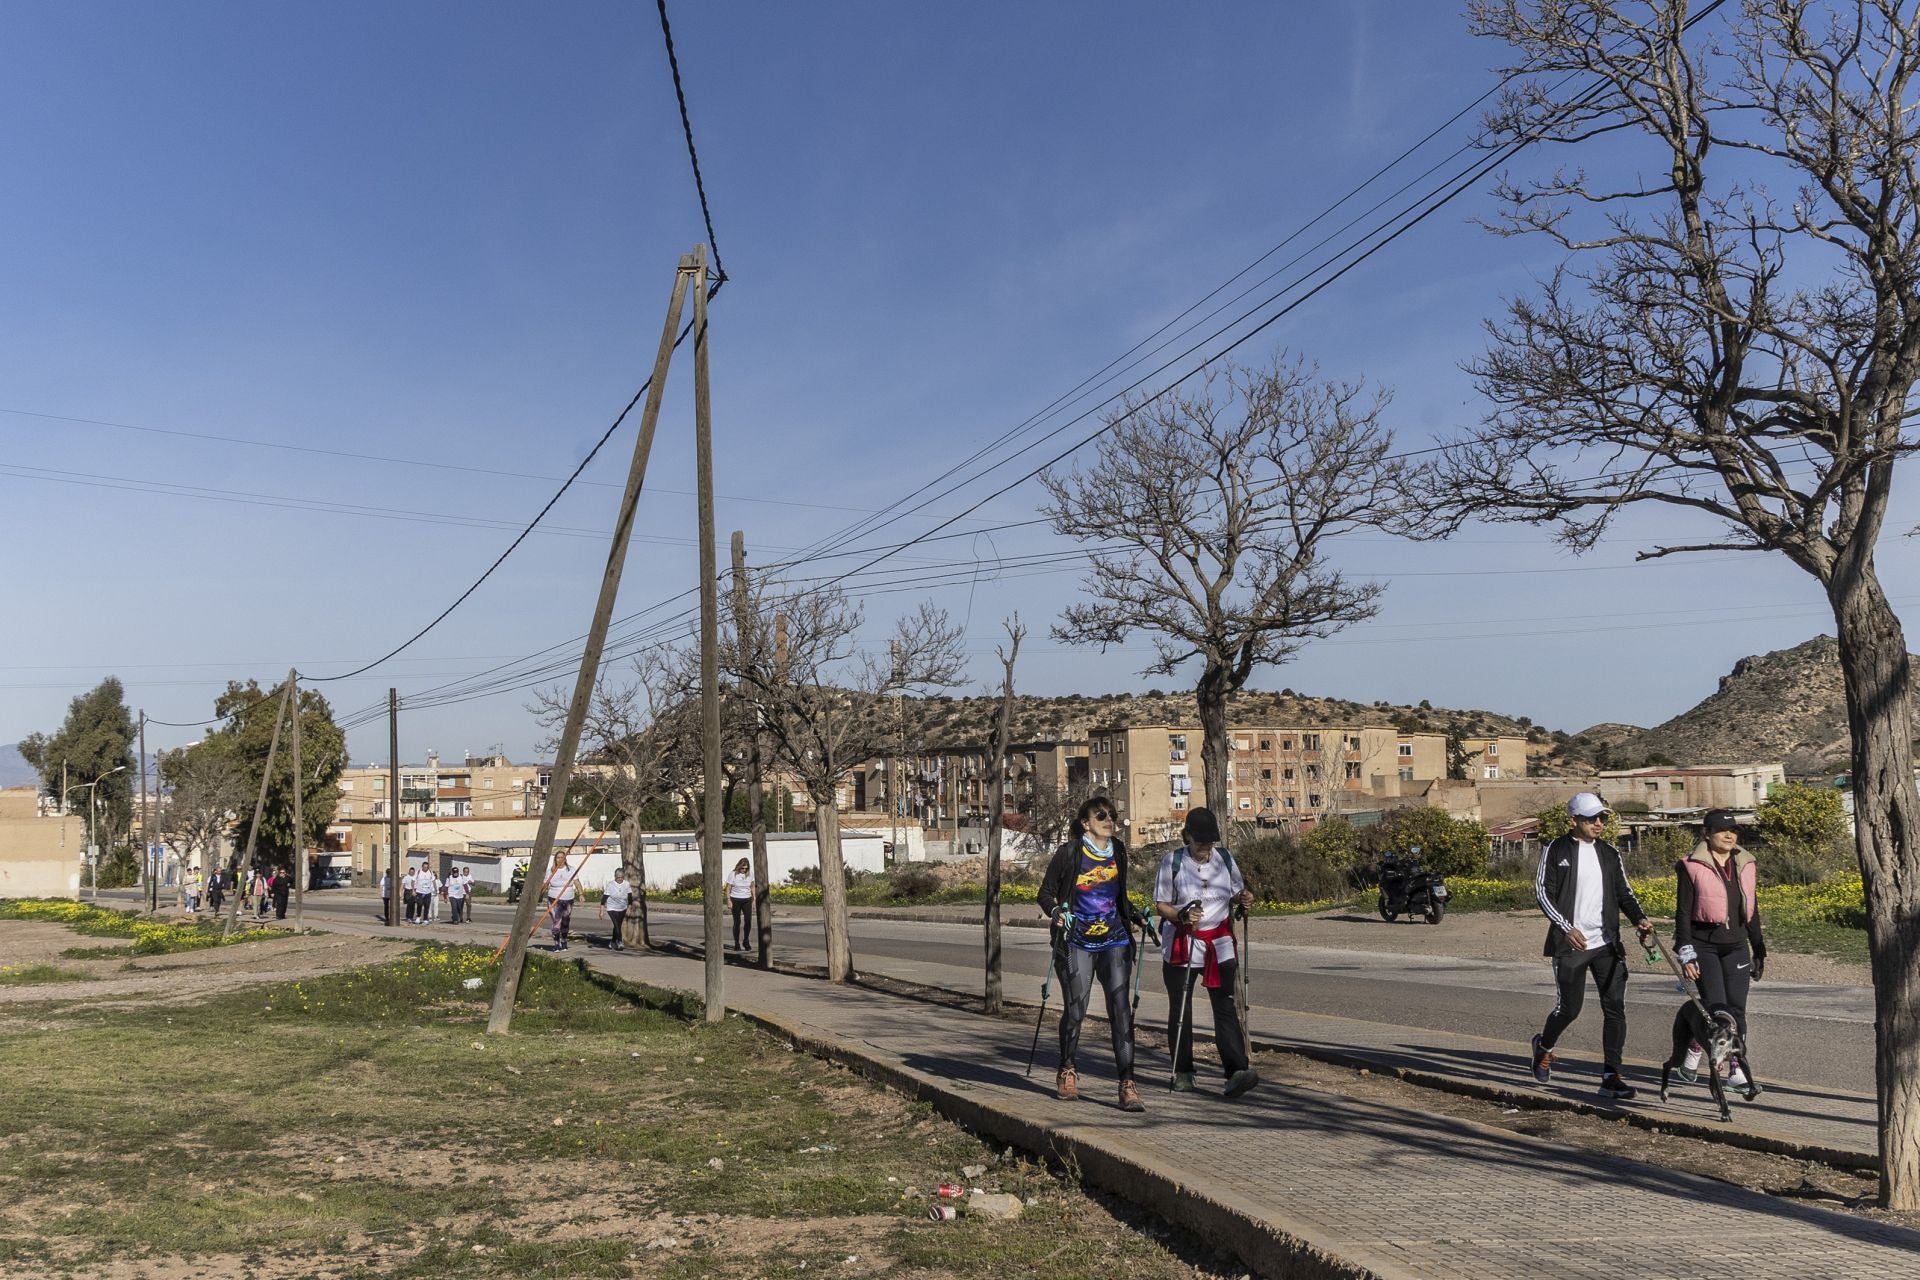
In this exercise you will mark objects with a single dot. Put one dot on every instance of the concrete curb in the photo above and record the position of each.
(1746, 1139)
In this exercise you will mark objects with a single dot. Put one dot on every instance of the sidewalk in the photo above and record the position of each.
(1301, 1182)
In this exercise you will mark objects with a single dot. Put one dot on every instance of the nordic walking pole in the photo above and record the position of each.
(1180, 1025)
(1046, 986)
(1242, 950)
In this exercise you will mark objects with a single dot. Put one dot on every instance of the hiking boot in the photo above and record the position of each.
(1183, 1082)
(1241, 1081)
(1690, 1065)
(1613, 1085)
(1542, 1061)
(1066, 1084)
(1130, 1096)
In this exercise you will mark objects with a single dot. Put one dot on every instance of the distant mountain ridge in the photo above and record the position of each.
(14, 769)
(1789, 705)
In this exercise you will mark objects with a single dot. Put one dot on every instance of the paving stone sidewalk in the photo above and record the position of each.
(1383, 1190)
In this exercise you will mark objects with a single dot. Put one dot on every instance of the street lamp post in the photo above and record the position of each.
(93, 824)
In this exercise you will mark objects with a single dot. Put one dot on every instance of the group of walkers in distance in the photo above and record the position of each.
(266, 888)
(1098, 934)
(421, 892)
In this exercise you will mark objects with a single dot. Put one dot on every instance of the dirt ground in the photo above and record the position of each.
(172, 979)
(1496, 935)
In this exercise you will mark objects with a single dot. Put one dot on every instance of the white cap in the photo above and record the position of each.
(1586, 805)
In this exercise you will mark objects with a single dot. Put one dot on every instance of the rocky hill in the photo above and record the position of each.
(14, 770)
(956, 721)
(1788, 705)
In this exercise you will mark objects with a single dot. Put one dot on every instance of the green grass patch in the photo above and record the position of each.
(25, 975)
(312, 1121)
(150, 937)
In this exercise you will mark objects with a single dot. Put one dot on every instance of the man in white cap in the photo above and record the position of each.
(1582, 887)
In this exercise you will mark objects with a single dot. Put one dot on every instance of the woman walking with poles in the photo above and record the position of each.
(1196, 891)
(1085, 891)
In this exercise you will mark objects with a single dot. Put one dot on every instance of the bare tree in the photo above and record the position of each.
(828, 709)
(206, 792)
(998, 808)
(1212, 511)
(1742, 358)
(1049, 813)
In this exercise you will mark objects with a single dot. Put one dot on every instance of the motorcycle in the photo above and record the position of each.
(1407, 888)
(514, 888)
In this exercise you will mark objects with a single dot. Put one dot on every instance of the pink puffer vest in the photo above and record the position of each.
(1710, 890)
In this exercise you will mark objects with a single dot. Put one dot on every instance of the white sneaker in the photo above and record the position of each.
(1690, 1065)
(1736, 1075)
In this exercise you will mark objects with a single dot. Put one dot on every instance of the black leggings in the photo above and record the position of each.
(1726, 970)
(742, 921)
(1228, 1039)
(1076, 981)
(1610, 975)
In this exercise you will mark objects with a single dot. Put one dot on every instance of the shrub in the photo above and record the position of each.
(1450, 846)
(1658, 849)
(1280, 868)
(693, 882)
(912, 882)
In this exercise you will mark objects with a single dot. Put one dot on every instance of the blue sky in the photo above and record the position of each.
(445, 233)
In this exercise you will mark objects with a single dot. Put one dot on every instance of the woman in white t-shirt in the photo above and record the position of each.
(614, 899)
(740, 898)
(1196, 890)
(562, 887)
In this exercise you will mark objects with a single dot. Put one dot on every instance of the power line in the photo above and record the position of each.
(693, 155)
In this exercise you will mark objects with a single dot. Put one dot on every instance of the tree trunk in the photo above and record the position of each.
(833, 886)
(996, 811)
(1879, 683)
(1211, 694)
(633, 856)
(762, 891)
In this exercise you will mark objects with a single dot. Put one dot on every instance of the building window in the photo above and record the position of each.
(1313, 801)
(487, 783)
(1353, 742)
(1493, 749)
(1286, 744)
(1353, 770)
(1266, 802)
(1266, 744)
(1406, 775)
(1266, 775)
(1406, 750)
(346, 784)
(486, 806)
(1493, 771)
(346, 810)
(1287, 773)
(1246, 803)
(1313, 773)
(1310, 741)
(1289, 802)
(379, 784)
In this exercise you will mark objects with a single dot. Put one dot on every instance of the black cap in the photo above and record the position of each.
(1201, 826)
(1720, 820)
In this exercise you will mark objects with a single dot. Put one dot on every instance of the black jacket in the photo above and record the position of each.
(1554, 885)
(1057, 887)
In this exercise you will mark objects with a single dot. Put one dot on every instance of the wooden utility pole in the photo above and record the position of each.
(996, 810)
(713, 815)
(514, 958)
(393, 808)
(299, 785)
(784, 801)
(259, 808)
(146, 826)
(746, 635)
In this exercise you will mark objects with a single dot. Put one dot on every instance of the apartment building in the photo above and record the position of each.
(1277, 776)
(479, 787)
(1661, 788)
(952, 786)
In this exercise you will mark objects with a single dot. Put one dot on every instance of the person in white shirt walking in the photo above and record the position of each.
(740, 898)
(562, 887)
(614, 900)
(386, 898)
(457, 897)
(1196, 890)
(1582, 887)
(407, 883)
(427, 886)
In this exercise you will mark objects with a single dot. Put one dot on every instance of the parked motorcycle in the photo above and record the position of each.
(516, 884)
(1407, 888)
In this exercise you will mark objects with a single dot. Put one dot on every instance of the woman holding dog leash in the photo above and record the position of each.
(1196, 890)
(1716, 929)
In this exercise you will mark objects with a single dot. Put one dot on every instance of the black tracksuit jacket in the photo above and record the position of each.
(1554, 884)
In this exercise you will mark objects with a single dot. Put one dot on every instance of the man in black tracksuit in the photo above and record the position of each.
(1582, 887)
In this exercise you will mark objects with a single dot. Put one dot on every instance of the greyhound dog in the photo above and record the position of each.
(1716, 1032)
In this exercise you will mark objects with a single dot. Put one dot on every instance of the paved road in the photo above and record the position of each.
(1819, 1036)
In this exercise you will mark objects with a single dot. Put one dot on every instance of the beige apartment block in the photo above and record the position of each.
(41, 853)
(1734, 786)
(1278, 776)
(952, 786)
(479, 787)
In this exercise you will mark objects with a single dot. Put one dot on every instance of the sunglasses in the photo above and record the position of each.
(1593, 817)
(1100, 815)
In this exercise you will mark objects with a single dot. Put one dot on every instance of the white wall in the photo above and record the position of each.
(861, 850)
